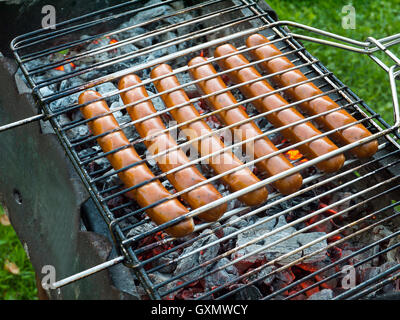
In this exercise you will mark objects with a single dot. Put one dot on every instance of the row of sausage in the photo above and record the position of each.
(148, 191)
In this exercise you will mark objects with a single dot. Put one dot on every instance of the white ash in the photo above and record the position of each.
(236, 222)
(165, 261)
(277, 250)
(394, 254)
(325, 294)
(143, 228)
(221, 277)
(196, 259)
(109, 88)
(159, 277)
(263, 276)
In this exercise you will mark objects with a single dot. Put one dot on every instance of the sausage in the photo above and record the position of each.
(315, 106)
(295, 134)
(146, 194)
(220, 163)
(182, 179)
(259, 147)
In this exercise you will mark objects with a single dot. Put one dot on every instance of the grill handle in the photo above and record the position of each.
(22, 122)
(86, 273)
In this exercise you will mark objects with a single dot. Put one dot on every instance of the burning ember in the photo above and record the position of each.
(294, 154)
(63, 67)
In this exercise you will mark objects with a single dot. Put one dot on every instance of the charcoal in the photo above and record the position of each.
(108, 88)
(129, 130)
(157, 102)
(229, 230)
(248, 293)
(149, 14)
(46, 91)
(285, 276)
(305, 238)
(165, 260)
(197, 258)
(263, 276)
(366, 273)
(394, 254)
(272, 252)
(325, 294)
(222, 276)
(70, 99)
(237, 222)
(136, 32)
(143, 228)
(78, 132)
(283, 247)
(158, 277)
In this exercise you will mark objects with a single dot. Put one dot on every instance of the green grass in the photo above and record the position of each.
(373, 18)
(15, 286)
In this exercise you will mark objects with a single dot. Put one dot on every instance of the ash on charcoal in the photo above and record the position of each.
(366, 273)
(157, 102)
(263, 276)
(250, 235)
(78, 132)
(221, 277)
(248, 293)
(143, 228)
(394, 254)
(165, 260)
(159, 277)
(281, 248)
(392, 286)
(325, 294)
(151, 13)
(235, 222)
(70, 99)
(198, 258)
(124, 120)
(108, 88)
(305, 238)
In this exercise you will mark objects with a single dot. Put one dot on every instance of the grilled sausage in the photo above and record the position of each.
(259, 147)
(295, 134)
(182, 179)
(221, 162)
(146, 194)
(315, 106)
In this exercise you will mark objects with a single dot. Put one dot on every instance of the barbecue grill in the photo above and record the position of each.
(337, 237)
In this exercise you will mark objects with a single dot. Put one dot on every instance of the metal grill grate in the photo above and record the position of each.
(100, 48)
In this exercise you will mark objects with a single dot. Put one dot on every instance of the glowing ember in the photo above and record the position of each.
(113, 41)
(62, 68)
(294, 154)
